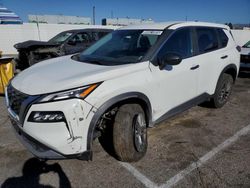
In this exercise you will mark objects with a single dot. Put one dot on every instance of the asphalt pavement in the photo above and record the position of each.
(202, 147)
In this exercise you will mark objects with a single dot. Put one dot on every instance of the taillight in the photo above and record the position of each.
(238, 48)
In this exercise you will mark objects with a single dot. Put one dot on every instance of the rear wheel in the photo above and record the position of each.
(223, 91)
(130, 133)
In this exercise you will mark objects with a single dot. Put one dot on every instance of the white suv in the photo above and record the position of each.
(132, 79)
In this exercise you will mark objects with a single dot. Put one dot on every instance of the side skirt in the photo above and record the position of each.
(183, 107)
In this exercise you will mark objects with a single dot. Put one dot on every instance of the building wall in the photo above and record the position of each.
(241, 36)
(59, 19)
(12, 34)
(124, 21)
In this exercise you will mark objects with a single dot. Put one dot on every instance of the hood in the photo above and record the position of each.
(33, 44)
(245, 51)
(64, 73)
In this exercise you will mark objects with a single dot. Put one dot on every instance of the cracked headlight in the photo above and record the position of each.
(81, 93)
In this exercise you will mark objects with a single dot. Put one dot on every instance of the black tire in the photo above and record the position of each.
(223, 91)
(130, 133)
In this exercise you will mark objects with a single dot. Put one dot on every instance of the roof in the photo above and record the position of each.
(173, 25)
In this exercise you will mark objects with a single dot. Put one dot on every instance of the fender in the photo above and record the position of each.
(228, 69)
(230, 66)
(115, 100)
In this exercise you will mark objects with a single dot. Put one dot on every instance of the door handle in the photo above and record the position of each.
(224, 57)
(195, 67)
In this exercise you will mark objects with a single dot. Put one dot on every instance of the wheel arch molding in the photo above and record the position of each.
(130, 97)
(230, 69)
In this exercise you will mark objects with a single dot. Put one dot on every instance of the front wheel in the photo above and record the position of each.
(130, 133)
(223, 91)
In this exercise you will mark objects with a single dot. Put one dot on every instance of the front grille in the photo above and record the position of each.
(16, 99)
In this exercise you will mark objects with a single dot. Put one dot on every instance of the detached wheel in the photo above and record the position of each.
(223, 91)
(130, 133)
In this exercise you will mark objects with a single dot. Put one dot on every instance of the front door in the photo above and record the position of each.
(174, 85)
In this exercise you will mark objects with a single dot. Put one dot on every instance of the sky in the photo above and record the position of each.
(219, 11)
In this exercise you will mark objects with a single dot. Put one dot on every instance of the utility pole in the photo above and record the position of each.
(93, 15)
(112, 14)
(38, 29)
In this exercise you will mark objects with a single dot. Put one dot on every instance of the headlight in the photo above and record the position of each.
(49, 117)
(74, 93)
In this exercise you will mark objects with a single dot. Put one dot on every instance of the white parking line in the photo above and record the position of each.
(139, 176)
(182, 174)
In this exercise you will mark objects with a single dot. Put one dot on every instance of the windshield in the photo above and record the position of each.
(247, 45)
(61, 37)
(120, 47)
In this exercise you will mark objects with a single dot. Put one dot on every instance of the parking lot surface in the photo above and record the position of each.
(202, 147)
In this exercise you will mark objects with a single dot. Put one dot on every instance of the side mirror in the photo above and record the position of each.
(169, 59)
(72, 42)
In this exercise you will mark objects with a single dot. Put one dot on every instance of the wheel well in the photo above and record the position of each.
(146, 108)
(231, 71)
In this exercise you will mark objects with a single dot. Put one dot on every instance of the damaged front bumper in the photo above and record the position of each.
(42, 151)
(55, 140)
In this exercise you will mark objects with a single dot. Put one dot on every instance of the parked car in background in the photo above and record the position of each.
(65, 43)
(130, 80)
(245, 54)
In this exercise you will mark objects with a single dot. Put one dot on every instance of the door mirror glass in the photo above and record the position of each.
(169, 59)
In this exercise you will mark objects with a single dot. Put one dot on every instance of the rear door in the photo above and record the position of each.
(211, 56)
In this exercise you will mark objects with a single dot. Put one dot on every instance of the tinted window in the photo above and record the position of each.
(207, 39)
(95, 36)
(223, 38)
(61, 37)
(180, 42)
(102, 34)
(80, 38)
(98, 35)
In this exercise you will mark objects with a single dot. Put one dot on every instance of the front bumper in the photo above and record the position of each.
(44, 152)
(55, 140)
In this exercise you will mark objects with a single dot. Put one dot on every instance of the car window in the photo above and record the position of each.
(81, 38)
(180, 42)
(207, 39)
(95, 36)
(102, 34)
(223, 38)
(151, 39)
(121, 47)
(247, 45)
(61, 37)
(98, 35)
